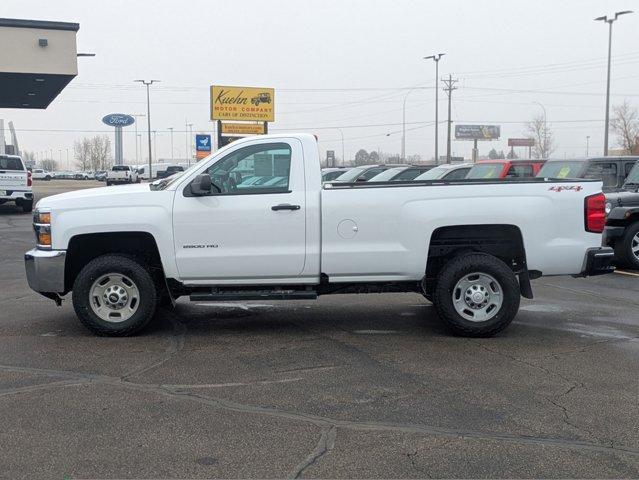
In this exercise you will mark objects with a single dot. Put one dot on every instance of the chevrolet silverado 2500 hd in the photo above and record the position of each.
(470, 246)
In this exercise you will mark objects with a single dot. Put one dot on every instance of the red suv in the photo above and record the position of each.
(505, 169)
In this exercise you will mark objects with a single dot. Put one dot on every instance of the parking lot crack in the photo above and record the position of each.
(324, 446)
(176, 344)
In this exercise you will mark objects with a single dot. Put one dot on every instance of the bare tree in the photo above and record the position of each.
(100, 152)
(82, 153)
(625, 124)
(49, 164)
(544, 138)
(93, 153)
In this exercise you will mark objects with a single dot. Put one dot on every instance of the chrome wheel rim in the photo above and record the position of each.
(477, 297)
(114, 298)
(634, 246)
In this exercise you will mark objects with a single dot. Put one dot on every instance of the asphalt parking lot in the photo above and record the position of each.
(345, 387)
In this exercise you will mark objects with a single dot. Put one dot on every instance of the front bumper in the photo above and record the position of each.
(598, 261)
(45, 270)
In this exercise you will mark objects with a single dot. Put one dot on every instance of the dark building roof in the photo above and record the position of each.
(44, 24)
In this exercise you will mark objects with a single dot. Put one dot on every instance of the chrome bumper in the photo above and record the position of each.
(45, 270)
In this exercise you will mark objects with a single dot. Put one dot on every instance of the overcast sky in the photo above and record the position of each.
(346, 64)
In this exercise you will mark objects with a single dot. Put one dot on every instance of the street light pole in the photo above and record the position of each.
(187, 144)
(587, 144)
(609, 21)
(148, 84)
(341, 132)
(135, 124)
(436, 59)
(543, 150)
(171, 130)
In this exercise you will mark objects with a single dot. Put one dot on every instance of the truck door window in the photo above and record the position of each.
(254, 169)
(604, 171)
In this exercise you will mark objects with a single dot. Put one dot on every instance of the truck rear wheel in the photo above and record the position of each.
(27, 206)
(627, 250)
(476, 295)
(114, 295)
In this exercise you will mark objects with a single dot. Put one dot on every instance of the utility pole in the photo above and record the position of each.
(587, 144)
(148, 118)
(609, 21)
(450, 86)
(436, 59)
(171, 130)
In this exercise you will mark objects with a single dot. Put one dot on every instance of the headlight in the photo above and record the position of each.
(42, 229)
(608, 207)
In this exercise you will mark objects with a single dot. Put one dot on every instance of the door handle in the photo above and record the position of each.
(285, 206)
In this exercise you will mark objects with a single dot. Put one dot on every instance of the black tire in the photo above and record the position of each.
(47, 178)
(623, 248)
(113, 263)
(27, 206)
(108, 183)
(466, 264)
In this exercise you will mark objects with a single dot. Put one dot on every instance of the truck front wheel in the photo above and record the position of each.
(114, 295)
(476, 295)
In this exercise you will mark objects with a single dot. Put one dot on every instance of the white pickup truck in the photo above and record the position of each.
(16, 183)
(469, 246)
(121, 174)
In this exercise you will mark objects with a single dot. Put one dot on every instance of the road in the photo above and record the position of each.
(347, 386)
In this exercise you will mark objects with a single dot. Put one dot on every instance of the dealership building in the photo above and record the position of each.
(37, 60)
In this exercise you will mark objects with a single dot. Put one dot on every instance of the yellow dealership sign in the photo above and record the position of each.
(242, 103)
(233, 128)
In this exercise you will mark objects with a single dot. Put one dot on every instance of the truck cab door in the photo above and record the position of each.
(252, 226)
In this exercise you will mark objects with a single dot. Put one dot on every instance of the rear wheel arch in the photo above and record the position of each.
(502, 241)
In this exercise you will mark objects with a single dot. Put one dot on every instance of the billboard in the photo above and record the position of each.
(242, 103)
(521, 142)
(477, 132)
(231, 128)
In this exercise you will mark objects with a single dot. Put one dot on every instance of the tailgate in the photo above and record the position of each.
(13, 179)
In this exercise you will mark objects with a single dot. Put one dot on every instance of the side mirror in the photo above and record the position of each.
(201, 185)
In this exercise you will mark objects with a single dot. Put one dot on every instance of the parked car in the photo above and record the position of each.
(611, 170)
(498, 169)
(401, 174)
(16, 183)
(190, 235)
(364, 173)
(446, 171)
(81, 176)
(40, 174)
(100, 175)
(170, 170)
(329, 174)
(622, 220)
(121, 174)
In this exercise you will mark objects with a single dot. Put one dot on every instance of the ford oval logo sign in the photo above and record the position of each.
(118, 120)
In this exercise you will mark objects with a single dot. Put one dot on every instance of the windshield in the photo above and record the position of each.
(571, 169)
(351, 175)
(387, 175)
(434, 173)
(633, 176)
(10, 163)
(120, 168)
(486, 170)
